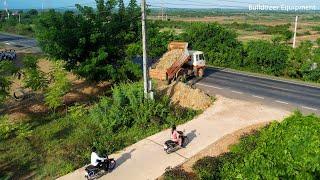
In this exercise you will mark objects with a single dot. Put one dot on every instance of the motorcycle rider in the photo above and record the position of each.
(175, 136)
(99, 161)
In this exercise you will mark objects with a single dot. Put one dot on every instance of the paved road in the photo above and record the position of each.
(16, 40)
(283, 94)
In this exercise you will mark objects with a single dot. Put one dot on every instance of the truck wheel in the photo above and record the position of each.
(200, 73)
(168, 81)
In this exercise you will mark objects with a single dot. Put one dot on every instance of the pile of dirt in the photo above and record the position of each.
(168, 59)
(185, 96)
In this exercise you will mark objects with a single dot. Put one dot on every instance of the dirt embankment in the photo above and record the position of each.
(222, 146)
(185, 96)
(82, 91)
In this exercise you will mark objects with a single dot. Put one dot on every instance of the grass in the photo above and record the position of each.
(287, 149)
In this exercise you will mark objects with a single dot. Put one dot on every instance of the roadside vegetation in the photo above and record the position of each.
(12, 25)
(82, 42)
(275, 57)
(49, 147)
(56, 142)
(287, 150)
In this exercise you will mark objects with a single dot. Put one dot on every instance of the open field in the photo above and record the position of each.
(308, 26)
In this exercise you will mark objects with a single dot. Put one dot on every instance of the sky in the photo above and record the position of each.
(37, 4)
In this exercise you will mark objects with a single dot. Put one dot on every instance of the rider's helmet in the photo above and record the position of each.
(173, 128)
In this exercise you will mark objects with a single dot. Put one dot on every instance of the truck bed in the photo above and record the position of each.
(170, 62)
(170, 68)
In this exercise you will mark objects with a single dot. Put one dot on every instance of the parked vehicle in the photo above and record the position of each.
(171, 146)
(93, 172)
(187, 64)
(8, 55)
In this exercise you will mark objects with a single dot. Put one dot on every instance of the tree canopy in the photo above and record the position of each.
(92, 42)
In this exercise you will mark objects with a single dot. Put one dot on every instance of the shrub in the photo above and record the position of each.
(34, 78)
(59, 144)
(281, 30)
(219, 44)
(59, 87)
(10, 129)
(263, 56)
(288, 150)
(7, 69)
(208, 168)
(176, 174)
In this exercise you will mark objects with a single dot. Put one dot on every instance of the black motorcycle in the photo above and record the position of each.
(171, 146)
(93, 172)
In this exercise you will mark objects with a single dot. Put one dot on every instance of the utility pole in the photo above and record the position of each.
(42, 6)
(6, 6)
(144, 46)
(295, 33)
(162, 11)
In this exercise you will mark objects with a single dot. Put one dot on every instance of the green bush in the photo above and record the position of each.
(7, 69)
(59, 87)
(208, 168)
(248, 27)
(281, 30)
(263, 56)
(176, 174)
(287, 150)
(12, 130)
(219, 44)
(59, 144)
(34, 78)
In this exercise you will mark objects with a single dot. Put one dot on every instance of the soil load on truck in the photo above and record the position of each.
(178, 62)
(168, 59)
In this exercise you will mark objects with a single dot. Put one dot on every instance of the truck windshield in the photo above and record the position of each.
(201, 57)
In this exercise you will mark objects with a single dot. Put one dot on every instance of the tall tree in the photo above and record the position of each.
(122, 10)
(92, 42)
(133, 7)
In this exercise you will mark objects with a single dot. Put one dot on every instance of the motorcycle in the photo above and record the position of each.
(93, 172)
(171, 146)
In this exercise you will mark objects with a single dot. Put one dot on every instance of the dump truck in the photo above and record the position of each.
(178, 63)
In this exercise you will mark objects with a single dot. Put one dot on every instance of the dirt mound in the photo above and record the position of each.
(185, 96)
(168, 59)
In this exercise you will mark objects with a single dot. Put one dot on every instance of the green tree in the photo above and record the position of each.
(219, 44)
(7, 69)
(122, 10)
(92, 43)
(298, 58)
(34, 78)
(266, 57)
(59, 87)
(32, 12)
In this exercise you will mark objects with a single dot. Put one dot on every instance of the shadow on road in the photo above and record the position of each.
(124, 157)
(191, 136)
